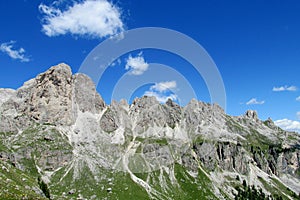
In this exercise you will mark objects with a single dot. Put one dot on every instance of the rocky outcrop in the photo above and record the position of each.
(53, 97)
(147, 112)
(5, 95)
(109, 122)
(50, 97)
(173, 113)
(85, 96)
(227, 156)
(251, 114)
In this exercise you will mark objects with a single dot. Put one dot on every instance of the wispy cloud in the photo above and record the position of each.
(298, 114)
(117, 62)
(16, 54)
(298, 98)
(284, 88)
(92, 18)
(288, 125)
(254, 101)
(137, 64)
(162, 90)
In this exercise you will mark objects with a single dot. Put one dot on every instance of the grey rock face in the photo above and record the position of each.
(53, 97)
(173, 113)
(206, 153)
(109, 121)
(5, 95)
(270, 123)
(45, 99)
(50, 100)
(115, 116)
(157, 154)
(227, 156)
(146, 112)
(288, 162)
(85, 95)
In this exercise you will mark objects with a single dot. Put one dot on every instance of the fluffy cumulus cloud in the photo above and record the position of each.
(254, 101)
(298, 114)
(137, 65)
(162, 91)
(92, 18)
(298, 98)
(288, 125)
(284, 88)
(16, 54)
(164, 86)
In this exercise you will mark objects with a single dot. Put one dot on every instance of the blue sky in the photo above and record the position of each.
(254, 44)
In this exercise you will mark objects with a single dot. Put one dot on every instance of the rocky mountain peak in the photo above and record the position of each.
(58, 74)
(5, 94)
(270, 123)
(55, 97)
(145, 101)
(251, 114)
(171, 103)
(50, 98)
(124, 103)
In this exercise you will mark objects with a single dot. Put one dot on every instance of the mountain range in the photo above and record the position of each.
(60, 140)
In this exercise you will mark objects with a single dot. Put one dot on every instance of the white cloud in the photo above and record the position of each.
(254, 101)
(93, 18)
(164, 86)
(298, 98)
(284, 88)
(288, 125)
(298, 114)
(137, 64)
(161, 97)
(16, 54)
(159, 90)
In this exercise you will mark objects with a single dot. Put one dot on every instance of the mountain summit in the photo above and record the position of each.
(59, 140)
